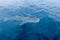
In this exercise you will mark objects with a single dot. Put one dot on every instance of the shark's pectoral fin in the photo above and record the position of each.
(22, 23)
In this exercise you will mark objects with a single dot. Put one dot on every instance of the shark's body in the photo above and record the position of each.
(23, 19)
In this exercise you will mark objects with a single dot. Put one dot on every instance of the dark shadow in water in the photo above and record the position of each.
(55, 38)
(23, 34)
(45, 37)
(42, 37)
(39, 36)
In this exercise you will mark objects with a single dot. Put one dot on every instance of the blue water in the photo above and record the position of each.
(48, 28)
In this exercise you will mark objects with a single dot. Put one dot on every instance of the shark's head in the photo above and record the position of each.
(34, 20)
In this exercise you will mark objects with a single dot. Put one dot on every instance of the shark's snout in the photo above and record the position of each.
(34, 20)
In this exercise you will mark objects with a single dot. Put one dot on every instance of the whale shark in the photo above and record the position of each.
(22, 18)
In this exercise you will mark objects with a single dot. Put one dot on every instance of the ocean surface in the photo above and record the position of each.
(48, 12)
